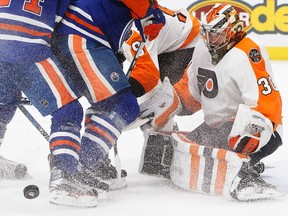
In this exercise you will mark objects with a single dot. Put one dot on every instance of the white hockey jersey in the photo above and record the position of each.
(243, 76)
(181, 31)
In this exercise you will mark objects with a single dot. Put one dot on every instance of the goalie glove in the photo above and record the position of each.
(250, 132)
(152, 23)
(161, 106)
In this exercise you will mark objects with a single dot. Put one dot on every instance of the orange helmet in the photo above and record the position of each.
(220, 29)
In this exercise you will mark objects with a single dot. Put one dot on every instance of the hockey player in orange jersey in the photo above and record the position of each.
(167, 56)
(231, 79)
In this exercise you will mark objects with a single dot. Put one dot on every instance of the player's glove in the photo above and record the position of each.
(250, 132)
(161, 106)
(150, 25)
(249, 141)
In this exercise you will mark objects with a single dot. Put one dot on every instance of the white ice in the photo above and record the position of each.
(145, 195)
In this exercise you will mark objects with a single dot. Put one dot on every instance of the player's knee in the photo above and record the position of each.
(71, 113)
(7, 113)
(124, 103)
(127, 106)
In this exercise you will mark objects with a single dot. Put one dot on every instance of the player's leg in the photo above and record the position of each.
(50, 90)
(102, 81)
(9, 97)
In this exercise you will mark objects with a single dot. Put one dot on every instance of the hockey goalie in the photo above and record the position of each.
(231, 80)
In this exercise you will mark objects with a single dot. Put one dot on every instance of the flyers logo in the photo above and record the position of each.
(263, 18)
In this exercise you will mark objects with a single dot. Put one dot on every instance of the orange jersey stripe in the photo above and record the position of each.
(270, 105)
(99, 89)
(82, 22)
(64, 142)
(65, 95)
(146, 72)
(24, 30)
(182, 89)
(195, 31)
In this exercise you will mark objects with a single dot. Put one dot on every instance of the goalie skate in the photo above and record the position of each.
(12, 169)
(252, 187)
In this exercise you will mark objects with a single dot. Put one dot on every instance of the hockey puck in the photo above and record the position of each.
(31, 191)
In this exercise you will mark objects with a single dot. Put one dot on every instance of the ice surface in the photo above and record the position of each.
(145, 195)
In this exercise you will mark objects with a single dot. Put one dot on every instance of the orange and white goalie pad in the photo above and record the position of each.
(204, 169)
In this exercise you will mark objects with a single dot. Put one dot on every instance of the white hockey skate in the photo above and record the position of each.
(12, 169)
(68, 190)
(248, 186)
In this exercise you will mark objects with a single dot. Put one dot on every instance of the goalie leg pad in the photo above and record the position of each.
(156, 154)
(203, 169)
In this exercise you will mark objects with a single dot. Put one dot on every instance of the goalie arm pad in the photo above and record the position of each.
(161, 106)
(250, 132)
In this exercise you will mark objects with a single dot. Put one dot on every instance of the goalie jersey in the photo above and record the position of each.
(27, 26)
(243, 76)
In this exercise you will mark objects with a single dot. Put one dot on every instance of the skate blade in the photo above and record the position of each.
(64, 198)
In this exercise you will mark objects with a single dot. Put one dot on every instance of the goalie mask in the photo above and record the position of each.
(221, 29)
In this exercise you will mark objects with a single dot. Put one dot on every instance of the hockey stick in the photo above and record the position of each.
(33, 120)
(132, 64)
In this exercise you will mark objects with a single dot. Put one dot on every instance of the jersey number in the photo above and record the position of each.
(31, 6)
(267, 84)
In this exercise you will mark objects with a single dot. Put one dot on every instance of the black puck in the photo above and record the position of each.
(31, 191)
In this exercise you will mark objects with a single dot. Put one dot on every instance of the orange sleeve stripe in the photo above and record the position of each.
(65, 95)
(195, 31)
(145, 71)
(99, 89)
(269, 105)
(182, 89)
(21, 29)
(64, 142)
(82, 22)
